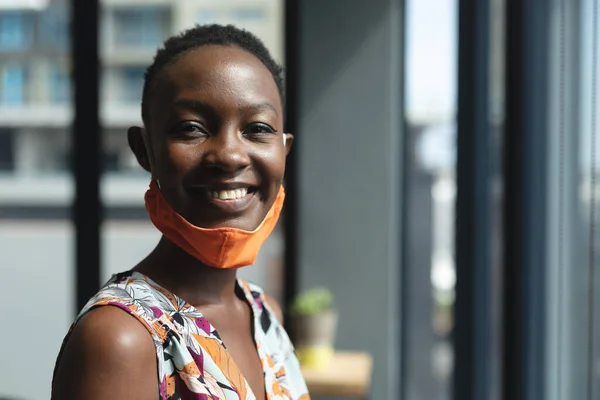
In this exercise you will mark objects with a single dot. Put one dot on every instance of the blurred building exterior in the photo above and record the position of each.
(35, 87)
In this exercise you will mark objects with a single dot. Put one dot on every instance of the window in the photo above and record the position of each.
(431, 196)
(14, 31)
(13, 81)
(53, 32)
(207, 16)
(141, 27)
(248, 15)
(573, 300)
(132, 84)
(60, 84)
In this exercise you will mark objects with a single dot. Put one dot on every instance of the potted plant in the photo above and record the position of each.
(314, 324)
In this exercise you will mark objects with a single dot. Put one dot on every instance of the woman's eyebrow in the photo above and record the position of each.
(193, 105)
(257, 107)
(200, 107)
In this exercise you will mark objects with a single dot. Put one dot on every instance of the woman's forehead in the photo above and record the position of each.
(218, 73)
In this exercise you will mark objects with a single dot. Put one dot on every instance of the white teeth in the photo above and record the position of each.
(229, 194)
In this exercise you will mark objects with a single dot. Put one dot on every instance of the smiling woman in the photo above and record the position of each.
(213, 142)
(217, 111)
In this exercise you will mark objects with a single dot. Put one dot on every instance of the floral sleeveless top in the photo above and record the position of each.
(193, 362)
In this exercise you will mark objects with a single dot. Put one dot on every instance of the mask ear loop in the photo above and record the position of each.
(284, 142)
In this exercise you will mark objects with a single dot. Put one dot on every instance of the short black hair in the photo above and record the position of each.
(202, 35)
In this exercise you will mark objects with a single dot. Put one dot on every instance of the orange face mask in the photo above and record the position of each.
(218, 247)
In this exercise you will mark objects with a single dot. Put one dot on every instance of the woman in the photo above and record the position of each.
(182, 324)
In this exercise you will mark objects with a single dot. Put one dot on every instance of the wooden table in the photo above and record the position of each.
(349, 375)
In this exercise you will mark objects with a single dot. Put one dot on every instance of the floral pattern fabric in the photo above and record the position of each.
(193, 362)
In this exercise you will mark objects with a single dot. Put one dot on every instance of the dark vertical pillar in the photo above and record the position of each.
(472, 338)
(86, 140)
(526, 186)
(291, 221)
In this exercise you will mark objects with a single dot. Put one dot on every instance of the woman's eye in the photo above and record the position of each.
(259, 129)
(190, 129)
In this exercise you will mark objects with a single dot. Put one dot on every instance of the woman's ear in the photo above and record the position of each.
(137, 144)
(288, 140)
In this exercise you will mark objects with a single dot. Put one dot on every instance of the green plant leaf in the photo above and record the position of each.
(312, 301)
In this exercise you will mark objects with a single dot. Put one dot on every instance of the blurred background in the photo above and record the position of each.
(414, 120)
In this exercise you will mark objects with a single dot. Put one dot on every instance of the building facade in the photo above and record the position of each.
(35, 87)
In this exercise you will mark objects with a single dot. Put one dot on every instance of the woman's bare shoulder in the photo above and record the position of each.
(109, 354)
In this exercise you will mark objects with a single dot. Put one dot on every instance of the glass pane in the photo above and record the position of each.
(16, 29)
(574, 292)
(431, 126)
(52, 30)
(36, 235)
(140, 26)
(131, 33)
(587, 216)
(13, 84)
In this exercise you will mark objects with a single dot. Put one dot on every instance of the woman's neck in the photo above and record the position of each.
(182, 274)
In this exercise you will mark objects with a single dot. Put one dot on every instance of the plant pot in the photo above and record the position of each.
(314, 338)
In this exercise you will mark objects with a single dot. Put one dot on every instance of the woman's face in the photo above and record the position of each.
(215, 137)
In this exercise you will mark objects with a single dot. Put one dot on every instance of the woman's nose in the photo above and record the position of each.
(226, 151)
